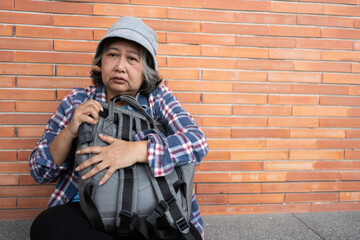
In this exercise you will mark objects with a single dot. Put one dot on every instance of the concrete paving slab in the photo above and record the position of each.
(257, 227)
(15, 229)
(333, 225)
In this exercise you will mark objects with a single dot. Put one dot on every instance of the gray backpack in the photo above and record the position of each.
(133, 204)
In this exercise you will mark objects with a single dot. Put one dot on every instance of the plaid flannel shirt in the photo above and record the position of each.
(186, 143)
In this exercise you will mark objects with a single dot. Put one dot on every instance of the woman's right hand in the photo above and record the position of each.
(85, 112)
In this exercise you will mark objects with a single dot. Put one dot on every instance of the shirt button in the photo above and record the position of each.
(64, 199)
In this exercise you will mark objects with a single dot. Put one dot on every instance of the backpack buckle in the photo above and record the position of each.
(125, 213)
(157, 212)
(164, 206)
(182, 225)
(170, 201)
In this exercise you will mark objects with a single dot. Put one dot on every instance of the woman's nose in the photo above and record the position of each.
(120, 64)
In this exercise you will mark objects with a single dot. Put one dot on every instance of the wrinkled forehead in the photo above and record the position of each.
(117, 43)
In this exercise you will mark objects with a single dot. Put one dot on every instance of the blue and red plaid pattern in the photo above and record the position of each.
(186, 143)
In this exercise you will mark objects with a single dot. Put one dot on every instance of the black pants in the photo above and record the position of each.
(64, 222)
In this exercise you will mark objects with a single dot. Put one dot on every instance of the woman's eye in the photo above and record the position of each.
(132, 58)
(112, 54)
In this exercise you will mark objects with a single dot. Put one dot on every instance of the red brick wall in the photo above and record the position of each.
(274, 85)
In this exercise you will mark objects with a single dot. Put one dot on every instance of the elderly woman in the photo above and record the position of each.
(126, 65)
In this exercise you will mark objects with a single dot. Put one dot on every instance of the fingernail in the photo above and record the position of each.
(83, 177)
(77, 169)
(101, 183)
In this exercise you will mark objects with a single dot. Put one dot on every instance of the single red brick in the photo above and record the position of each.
(26, 94)
(296, 7)
(294, 31)
(211, 199)
(265, 18)
(6, 30)
(286, 208)
(26, 69)
(260, 133)
(32, 202)
(238, 5)
(53, 32)
(288, 165)
(25, 44)
(312, 176)
(317, 154)
(231, 166)
(83, 21)
(230, 209)
(263, 87)
(216, 132)
(7, 82)
(324, 44)
(352, 154)
(8, 180)
(285, 187)
(326, 207)
(255, 198)
(14, 167)
(294, 77)
(200, 15)
(227, 188)
(19, 214)
(258, 177)
(7, 131)
(344, 10)
(8, 156)
(6, 203)
(340, 33)
(168, 3)
(27, 119)
(312, 197)
(7, 4)
(26, 191)
(259, 155)
(123, 10)
(234, 75)
(25, 18)
(53, 7)
(256, 41)
(8, 106)
(52, 82)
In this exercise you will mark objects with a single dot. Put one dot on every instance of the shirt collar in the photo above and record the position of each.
(101, 94)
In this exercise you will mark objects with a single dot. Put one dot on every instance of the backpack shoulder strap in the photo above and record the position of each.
(169, 203)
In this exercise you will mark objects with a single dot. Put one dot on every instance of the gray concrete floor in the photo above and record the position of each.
(302, 226)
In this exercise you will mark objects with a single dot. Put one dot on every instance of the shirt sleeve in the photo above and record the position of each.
(186, 143)
(42, 166)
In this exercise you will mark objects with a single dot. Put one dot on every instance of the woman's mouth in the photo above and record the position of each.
(118, 79)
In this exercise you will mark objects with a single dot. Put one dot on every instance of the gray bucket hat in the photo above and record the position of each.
(133, 29)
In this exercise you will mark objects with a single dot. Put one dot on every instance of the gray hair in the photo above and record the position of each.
(151, 76)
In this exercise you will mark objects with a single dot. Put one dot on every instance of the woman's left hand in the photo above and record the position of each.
(118, 154)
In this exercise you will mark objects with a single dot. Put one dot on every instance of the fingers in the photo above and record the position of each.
(91, 108)
(93, 149)
(107, 175)
(107, 139)
(98, 168)
(90, 161)
(114, 156)
(88, 112)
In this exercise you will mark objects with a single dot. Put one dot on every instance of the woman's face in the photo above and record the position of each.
(121, 68)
